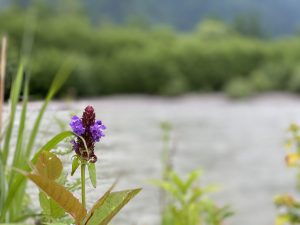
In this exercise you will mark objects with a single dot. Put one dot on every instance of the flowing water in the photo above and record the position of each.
(238, 144)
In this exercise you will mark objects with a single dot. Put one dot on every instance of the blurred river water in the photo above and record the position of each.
(238, 144)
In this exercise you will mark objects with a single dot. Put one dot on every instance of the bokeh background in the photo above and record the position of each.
(224, 74)
(238, 47)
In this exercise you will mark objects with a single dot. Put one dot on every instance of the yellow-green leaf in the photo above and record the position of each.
(106, 208)
(285, 200)
(292, 159)
(92, 174)
(49, 165)
(44, 203)
(61, 195)
(75, 164)
(293, 128)
(283, 219)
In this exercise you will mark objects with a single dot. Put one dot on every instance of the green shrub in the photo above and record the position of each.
(294, 82)
(240, 88)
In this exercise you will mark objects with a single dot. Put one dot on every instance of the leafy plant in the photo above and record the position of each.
(288, 206)
(189, 203)
(185, 201)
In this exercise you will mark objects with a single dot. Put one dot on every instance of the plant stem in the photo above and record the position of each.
(83, 183)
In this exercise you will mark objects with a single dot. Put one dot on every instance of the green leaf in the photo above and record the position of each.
(178, 182)
(104, 211)
(44, 203)
(169, 187)
(18, 158)
(20, 140)
(52, 143)
(75, 165)
(192, 177)
(2, 182)
(56, 210)
(92, 174)
(50, 207)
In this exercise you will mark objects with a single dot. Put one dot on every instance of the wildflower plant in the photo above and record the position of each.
(47, 174)
(88, 131)
(189, 203)
(185, 201)
(288, 206)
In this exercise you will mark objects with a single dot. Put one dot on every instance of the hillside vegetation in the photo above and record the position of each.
(152, 60)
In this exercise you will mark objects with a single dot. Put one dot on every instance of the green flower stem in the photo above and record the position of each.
(83, 183)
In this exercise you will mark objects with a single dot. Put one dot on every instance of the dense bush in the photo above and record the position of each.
(111, 59)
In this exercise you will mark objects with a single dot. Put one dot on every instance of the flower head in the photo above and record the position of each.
(97, 131)
(90, 130)
(76, 125)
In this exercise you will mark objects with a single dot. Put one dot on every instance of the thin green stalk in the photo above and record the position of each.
(2, 77)
(14, 97)
(83, 183)
(57, 83)
(19, 145)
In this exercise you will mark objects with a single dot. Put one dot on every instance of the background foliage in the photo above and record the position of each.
(138, 58)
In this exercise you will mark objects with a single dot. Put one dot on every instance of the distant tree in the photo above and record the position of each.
(138, 21)
(249, 25)
(213, 28)
(22, 3)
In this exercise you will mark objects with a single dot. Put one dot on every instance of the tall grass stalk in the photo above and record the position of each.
(2, 78)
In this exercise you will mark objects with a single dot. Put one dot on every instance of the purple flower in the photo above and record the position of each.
(76, 125)
(91, 130)
(97, 131)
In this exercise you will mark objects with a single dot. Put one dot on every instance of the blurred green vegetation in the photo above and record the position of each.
(137, 58)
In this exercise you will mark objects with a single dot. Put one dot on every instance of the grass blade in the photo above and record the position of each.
(2, 77)
(19, 145)
(17, 207)
(57, 83)
(15, 93)
(2, 183)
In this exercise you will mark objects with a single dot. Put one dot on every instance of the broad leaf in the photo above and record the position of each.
(49, 165)
(92, 174)
(61, 195)
(50, 207)
(108, 206)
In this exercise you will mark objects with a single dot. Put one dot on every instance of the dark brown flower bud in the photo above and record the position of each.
(93, 158)
(88, 117)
